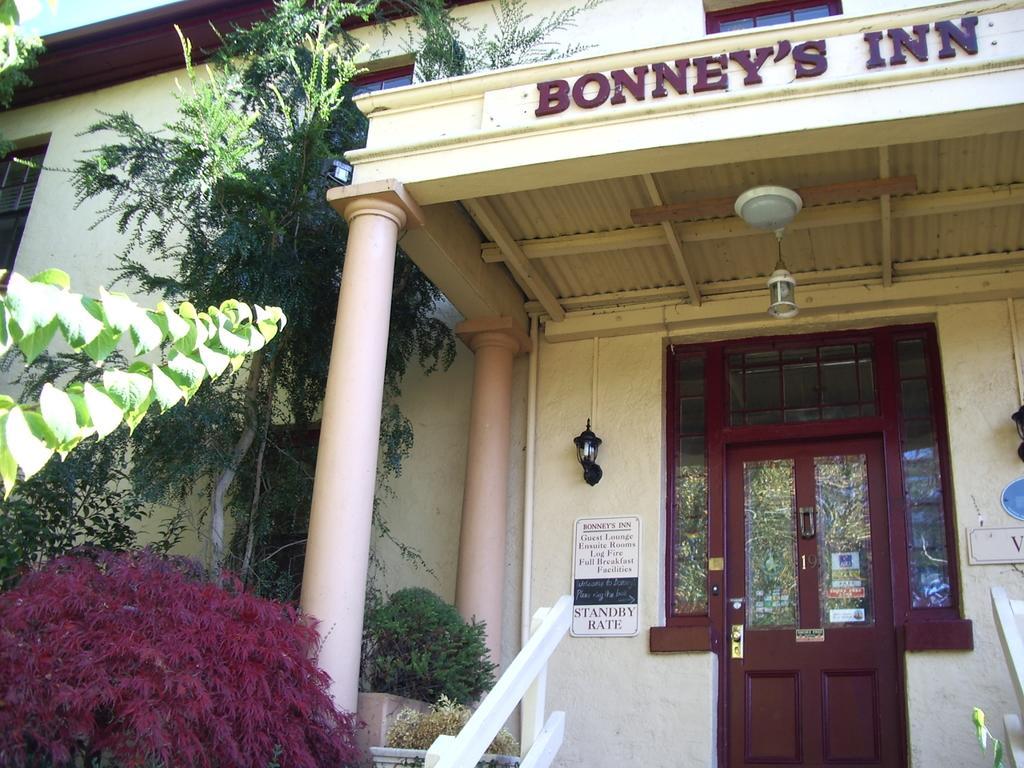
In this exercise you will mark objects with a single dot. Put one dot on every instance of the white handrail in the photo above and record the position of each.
(525, 677)
(1009, 616)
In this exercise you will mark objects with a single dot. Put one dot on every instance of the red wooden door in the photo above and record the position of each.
(809, 590)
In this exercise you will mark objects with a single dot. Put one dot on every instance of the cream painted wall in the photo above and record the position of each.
(624, 706)
(58, 235)
(613, 25)
(981, 393)
(610, 27)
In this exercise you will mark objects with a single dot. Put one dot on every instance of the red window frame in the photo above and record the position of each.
(381, 76)
(715, 19)
(921, 628)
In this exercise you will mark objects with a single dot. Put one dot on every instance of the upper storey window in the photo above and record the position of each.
(19, 174)
(382, 81)
(770, 14)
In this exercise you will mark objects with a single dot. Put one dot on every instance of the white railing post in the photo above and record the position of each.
(533, 702)
(524, 679)
(441, 746)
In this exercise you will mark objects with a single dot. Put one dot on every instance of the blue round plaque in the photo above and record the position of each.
(1013, 498)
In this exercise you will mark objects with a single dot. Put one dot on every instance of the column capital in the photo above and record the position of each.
(494, 331)
(384, 198)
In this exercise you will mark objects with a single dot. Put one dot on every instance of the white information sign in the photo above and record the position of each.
(996, 545)
(606, 577)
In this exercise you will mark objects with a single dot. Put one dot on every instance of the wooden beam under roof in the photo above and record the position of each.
(983, 263)
(483, 212)
(827, 194)
(931, 204)
(885, 212)
(673, 241)
(747, 310)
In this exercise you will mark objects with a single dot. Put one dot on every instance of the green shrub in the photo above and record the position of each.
(417, 645)
(418, 730)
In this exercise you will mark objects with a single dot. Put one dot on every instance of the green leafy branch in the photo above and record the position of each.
(198, 345)
(984, 735)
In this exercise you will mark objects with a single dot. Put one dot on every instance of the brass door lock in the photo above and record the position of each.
(736, 642)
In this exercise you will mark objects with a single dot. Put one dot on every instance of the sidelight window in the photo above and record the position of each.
(690, 588)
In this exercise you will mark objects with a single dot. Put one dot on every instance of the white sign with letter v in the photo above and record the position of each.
(996, 545)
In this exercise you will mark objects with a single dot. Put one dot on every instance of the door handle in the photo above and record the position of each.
(808, 523)
(736, 642)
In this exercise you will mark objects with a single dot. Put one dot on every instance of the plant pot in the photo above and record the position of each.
(378, 711)
(389, 756)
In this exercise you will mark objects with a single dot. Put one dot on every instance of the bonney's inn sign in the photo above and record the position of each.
(711, 73)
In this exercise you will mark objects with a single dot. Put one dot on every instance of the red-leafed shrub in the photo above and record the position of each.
(138, 659)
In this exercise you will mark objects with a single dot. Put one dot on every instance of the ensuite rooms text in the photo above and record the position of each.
(711, 73)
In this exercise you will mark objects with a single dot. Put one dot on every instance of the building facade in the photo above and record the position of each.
(788, 556)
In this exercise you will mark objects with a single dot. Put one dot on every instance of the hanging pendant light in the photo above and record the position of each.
(781, 288)
(772, 208)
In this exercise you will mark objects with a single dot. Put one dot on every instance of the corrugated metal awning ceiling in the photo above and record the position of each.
(581, 242)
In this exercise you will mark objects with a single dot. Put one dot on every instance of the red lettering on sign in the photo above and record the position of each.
(589, 102)
(901, 41)
(809, 58)
(711, 74)
(636, 85)
(554, 97)
(676, 78)
(752, 66)
(966, 36)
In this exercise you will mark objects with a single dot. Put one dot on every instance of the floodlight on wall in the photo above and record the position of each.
(1018, 419)
(772, 208)
(587, 444)
(338, 172)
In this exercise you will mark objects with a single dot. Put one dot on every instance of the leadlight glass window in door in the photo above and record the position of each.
(844, 540)
(690, 588)
(19, 174)
(769, 507)
(801, 384)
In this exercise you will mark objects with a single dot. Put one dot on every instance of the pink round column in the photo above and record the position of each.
(480, 583)
(337, 550)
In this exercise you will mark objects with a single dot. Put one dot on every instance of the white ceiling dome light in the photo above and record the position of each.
(772, 208)
(768, 207)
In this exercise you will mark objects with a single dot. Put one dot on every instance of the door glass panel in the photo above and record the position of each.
(844, 540)
(769, 499)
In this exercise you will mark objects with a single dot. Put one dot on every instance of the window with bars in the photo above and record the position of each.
(770, 14)
(19, 174)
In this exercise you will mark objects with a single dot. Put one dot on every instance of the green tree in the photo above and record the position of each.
(228, 200)
(86, 499)
(19, 53)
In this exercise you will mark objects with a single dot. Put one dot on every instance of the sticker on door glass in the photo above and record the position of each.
(845, 582)
(845, 615)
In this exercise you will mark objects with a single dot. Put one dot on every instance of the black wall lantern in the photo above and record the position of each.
(1018, 419)
(586, 451)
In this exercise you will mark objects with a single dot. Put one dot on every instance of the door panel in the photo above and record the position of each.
(809, 586)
